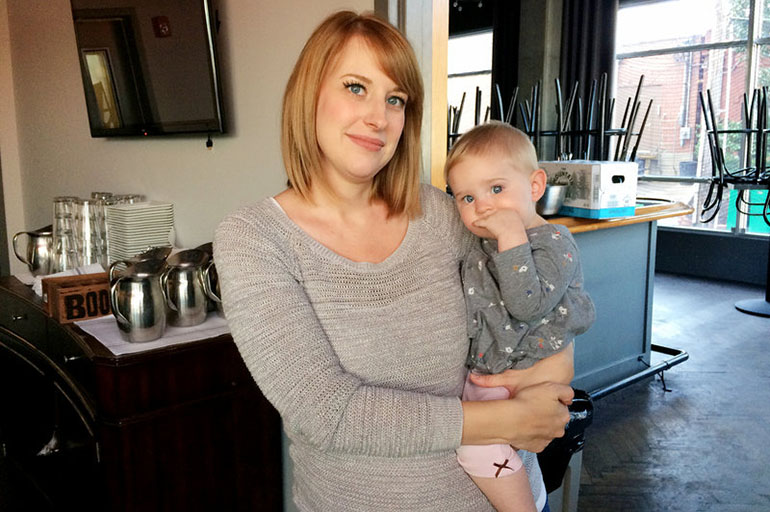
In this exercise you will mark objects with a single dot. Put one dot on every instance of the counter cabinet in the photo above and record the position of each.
(618, 259)
(179, 428)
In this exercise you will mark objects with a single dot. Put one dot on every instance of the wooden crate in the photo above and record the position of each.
(73, 298)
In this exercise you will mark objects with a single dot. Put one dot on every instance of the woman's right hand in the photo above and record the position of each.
(543, 415)
(529, 421)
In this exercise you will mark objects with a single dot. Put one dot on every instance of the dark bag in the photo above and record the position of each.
(556, 456)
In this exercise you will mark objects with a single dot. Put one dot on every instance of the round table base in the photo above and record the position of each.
(757, 307)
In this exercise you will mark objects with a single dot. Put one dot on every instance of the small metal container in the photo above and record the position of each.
(39, 253)
(552, 200)
(138, 302)
(183, 284)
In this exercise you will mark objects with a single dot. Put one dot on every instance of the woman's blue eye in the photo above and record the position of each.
(467, 199)
(496, 189)
(355, 88)
(397, 101)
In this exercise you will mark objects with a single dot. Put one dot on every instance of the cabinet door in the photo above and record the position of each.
(49, 453)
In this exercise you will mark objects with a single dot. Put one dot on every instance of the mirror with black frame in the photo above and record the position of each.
(149, 68)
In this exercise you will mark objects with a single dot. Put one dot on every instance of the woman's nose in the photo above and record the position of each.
(375, 115)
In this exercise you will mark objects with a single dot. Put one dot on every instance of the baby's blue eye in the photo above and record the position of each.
(467, 199)
(496, 189)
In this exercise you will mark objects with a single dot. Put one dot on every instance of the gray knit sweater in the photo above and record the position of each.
(364, 361)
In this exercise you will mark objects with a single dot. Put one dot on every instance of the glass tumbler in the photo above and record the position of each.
(66, 254)
(87, 233)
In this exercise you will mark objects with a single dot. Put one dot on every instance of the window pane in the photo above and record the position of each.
(696, 195)
(765, 21)
(470, 53)
(763, 69)
(673, 142)
(467, 85)
(755, 199)
(676, 23)
(752, 202)
(470, 66)
(726, 217)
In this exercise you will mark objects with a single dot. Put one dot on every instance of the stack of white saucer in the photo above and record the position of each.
(133, 228)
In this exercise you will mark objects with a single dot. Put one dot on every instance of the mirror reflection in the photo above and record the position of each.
(138, 56)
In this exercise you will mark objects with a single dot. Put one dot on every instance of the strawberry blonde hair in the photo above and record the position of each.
(398, 183)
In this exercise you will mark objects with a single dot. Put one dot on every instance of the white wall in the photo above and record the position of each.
(45, 145)
(9, 143)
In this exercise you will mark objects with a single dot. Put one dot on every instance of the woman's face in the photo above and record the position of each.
(359, 117)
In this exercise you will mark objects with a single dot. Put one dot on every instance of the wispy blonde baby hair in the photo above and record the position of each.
(491, 137)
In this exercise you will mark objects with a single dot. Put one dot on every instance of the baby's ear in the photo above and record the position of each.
(538, 180)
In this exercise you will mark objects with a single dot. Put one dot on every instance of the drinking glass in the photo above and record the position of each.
(65, 246)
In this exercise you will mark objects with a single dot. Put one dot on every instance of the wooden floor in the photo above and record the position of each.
(705, 445)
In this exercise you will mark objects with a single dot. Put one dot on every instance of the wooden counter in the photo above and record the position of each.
(618, 267)
(646, 213)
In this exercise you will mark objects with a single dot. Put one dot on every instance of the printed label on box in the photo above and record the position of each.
(598, 189)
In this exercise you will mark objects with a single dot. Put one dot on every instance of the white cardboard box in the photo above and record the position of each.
(599, 190)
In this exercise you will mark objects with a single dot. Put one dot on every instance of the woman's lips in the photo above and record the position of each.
(369, 143)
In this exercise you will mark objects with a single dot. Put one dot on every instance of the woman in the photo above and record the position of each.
(343, 293)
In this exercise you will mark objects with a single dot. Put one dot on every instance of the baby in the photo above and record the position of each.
(523, 287)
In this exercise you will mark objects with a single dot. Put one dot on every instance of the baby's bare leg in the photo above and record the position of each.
(510, 493)
(498, 471)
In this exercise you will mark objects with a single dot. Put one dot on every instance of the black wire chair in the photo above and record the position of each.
(752, 175)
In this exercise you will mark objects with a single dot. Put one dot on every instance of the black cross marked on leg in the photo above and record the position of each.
(501, 467)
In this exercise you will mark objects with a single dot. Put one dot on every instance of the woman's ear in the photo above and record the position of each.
(538, 180)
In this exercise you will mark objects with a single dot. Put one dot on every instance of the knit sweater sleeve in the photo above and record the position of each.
(446, 221)
(292, 361)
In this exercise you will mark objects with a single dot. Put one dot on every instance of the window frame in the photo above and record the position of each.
(752, 46)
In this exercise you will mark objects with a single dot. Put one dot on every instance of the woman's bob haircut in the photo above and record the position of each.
(398, 183)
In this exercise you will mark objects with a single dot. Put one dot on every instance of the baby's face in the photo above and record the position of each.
(484, 184)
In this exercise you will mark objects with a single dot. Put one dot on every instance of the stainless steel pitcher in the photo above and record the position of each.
(211, 287)
(152, 253)
(182, 282)
(39, 253)
(138, 301)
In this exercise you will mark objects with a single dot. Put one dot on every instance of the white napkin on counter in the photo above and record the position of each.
(94, 268)
(105, 329)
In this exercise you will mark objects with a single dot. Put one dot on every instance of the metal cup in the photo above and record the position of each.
(39, 251)
(551, 200)
(138, 302)
(182, 282)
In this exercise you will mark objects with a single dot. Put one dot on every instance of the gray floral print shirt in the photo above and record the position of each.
(526, 303)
